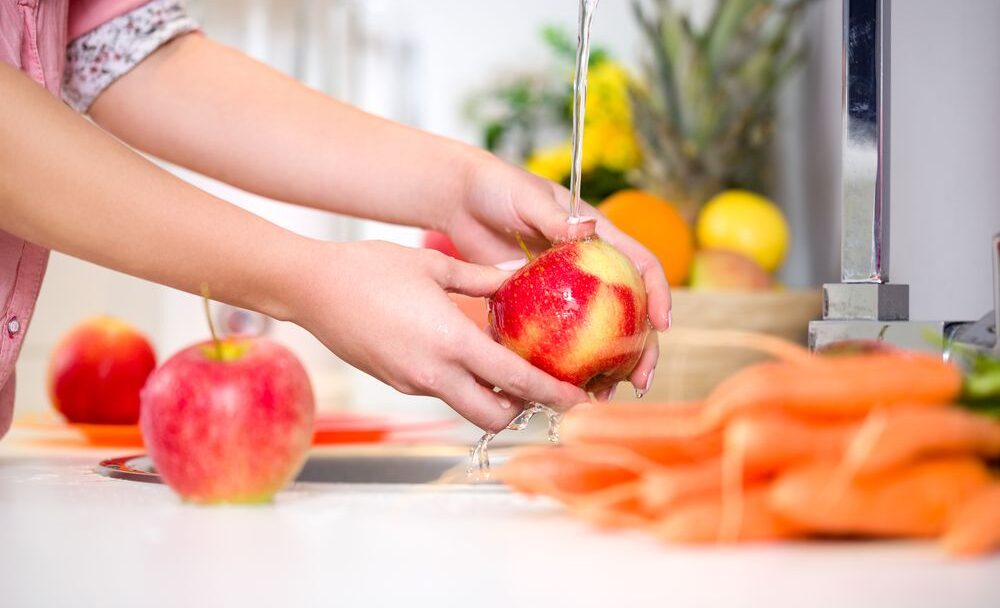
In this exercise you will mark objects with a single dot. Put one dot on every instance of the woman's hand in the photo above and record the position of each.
(384, 309)
(502, 200)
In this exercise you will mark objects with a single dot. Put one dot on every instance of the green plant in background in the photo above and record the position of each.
(521, 114)
(704, 108)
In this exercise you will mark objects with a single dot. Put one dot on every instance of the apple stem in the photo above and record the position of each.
(524, 247)
(205, 297)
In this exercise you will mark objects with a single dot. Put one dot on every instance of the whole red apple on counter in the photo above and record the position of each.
(97, 370)
(578, 312)
(228, 421)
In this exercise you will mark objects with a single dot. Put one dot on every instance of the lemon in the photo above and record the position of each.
(747, 223)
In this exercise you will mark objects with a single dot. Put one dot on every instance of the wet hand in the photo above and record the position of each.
(384, 309)
(503, 200)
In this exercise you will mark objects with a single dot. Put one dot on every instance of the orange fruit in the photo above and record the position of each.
(656, 224)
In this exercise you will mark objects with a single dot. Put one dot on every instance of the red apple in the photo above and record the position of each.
(97, 370)
(228, 421)
(722, 270)
(578, 312)
(440, 241)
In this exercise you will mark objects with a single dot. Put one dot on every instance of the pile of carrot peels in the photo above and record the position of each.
(857, 445)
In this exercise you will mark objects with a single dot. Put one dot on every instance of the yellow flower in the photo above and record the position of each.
(612, 146)
(607, 95)
(609, 138)
(551, 163)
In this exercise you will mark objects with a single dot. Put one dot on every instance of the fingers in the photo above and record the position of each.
(544, 213)
(606, 394)
(467, 279)
(518, 378)
(479, 405)
(642, 376)
(658, 298)
(658, 301)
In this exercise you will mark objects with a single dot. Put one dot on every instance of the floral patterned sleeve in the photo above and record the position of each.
(105, 54)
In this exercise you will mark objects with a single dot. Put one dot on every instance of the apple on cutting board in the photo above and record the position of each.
(97, 370)
(228, 421)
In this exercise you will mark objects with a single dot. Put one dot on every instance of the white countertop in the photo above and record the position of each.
(69, 537)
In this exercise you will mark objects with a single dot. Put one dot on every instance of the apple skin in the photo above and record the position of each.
(234, 430)
(578, 312)
(97, 370)
(722, 270)
(440, 242)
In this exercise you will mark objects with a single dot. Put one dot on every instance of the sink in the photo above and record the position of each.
(355, 465)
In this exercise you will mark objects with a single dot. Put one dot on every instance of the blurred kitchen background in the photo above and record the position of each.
(418, 62)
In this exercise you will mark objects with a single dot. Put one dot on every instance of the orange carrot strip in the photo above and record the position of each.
(614, 507)
(732, 338)
(773, 441)
(700, 520)
(912, 501)
(664, 488)
(840, 387)
(905, 434)
(650, 432)
(567, 473)
(974, 528)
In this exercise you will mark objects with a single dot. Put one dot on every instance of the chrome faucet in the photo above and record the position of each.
(865, 305)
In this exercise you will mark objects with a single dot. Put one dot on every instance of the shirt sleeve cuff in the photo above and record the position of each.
(103, 55)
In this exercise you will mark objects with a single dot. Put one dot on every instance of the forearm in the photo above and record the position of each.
(211, 109)
(68, 186)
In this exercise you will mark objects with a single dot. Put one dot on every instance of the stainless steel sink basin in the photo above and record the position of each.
(356, 465)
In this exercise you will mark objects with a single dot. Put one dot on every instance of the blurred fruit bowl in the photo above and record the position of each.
(688, 372)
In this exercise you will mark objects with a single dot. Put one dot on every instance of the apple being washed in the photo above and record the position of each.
(228, 421)
(578, 312)
(97, 370)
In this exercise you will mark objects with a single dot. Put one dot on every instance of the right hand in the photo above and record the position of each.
(384, 309)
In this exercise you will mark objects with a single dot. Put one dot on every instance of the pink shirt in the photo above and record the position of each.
(33, 38)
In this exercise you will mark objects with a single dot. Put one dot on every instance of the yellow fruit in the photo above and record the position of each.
(746, 223)
(656, 224)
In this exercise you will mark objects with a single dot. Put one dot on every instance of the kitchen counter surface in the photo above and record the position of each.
(70, 537)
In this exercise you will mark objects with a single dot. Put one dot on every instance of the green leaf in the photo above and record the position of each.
(560, 41)
(493, 134)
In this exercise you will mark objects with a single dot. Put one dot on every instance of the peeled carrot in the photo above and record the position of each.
(895, 436)
(567, 473)
(615, 507)
(700, 520)
(839, 387)
(915, 500)
(645, 429)
(974, 528)
(772, 441)
(662, 489)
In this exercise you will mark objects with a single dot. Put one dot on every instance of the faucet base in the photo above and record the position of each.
(926, 336)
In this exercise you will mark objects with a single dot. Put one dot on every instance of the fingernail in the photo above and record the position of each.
(512, 264)
(611, 393)
(649, 381)
(670, 319)
(581, 228)
(504, 403)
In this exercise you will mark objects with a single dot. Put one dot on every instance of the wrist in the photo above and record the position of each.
(286, 277)
(471, 164)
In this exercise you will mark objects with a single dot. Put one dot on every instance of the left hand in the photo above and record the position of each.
(502, 200)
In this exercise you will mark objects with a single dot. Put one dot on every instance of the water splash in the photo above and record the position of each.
(479, 456)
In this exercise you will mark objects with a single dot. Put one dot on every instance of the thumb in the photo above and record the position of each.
(548, 216)
(471, 279)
